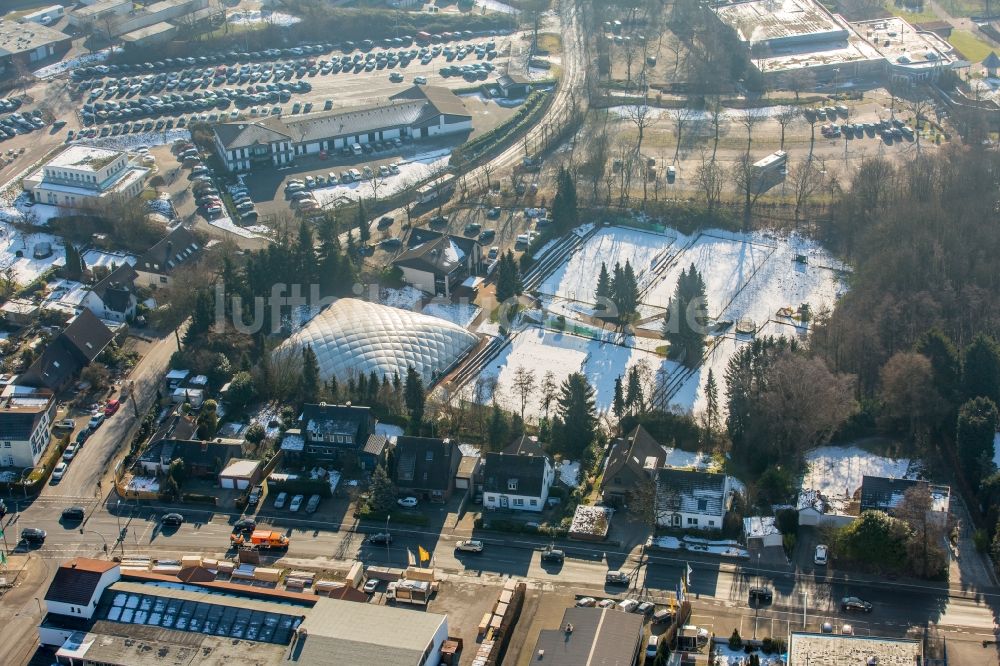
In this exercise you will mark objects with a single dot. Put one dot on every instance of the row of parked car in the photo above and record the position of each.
(894, 130)
(175, 104)
(20, 123)
(297, 501)
(97, 416)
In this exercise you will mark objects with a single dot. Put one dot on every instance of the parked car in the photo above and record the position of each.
(855, 604)
(69, 424)
(74, 513)
(470, 546)
(296, 503)
(586, 602)
(172, 519)
(112, 407)
(82, 436)
(59, 471)
(761, 595)
(606, 603)
(313, 504)
(380, 539)
(663, 616)
(69, 453)
(408, 502)
(553, 555)
(628, 605)
(279, 501)
(646, 608)
(822, 555)
(651, 646)
(96, 420)
(371, 585)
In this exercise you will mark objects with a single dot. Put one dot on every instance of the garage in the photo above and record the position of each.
(239, 474)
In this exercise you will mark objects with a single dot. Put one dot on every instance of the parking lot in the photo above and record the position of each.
(152, 96)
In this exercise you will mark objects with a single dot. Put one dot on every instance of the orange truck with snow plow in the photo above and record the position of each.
(263, 539)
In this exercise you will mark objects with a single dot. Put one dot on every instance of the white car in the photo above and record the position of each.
(371, 585)
(822, 554)
(279, 501)
(628, 605)
(296, 503)
(408, 502)
(69, 453)
(586, 602)
(59, 471)
(420, 80)
(606, 603)
(470, 546)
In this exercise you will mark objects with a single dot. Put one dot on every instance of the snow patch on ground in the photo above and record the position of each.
(494, 6)
(227, 224)
(569, 472)
(257, 17)
(469, 450)
(726, 657)
(57, 68)
(26, 267)
(457, 313)
(133, 141)
(836, 472)
(404, 298)
(267, 416)
(411, 171)
(686, 459)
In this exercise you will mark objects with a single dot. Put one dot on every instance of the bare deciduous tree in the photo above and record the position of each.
(808, 177)
(681, 117)
(524, 386)
(750, 117)
(642, 118)
(710, 177)
(928, 526)
(715, 118)
(785, 117)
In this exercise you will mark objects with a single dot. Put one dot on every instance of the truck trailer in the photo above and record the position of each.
(262, 539)
(417, 592)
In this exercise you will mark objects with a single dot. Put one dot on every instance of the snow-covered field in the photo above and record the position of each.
(577, 278)
(541, 351)
(747, 277)
(837, 471)
(38, 214)
(411, 171)
(226, 224)
(404, 298)
(133, 141)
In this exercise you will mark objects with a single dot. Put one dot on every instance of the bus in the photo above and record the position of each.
(436, 187)
(770, 170)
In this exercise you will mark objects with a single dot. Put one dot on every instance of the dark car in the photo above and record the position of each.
(381, 539)
(244, 525)
(33, 535)
(553, 555)
(173, 519)
(73, 513)
(761, 595)
(855, 604)
(82, 436)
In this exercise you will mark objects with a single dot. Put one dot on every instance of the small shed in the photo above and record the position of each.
(514, 86)
(175, 377)
(761, 531)
(240, 474)
(191, 395)
(991, 64)
(19, 311)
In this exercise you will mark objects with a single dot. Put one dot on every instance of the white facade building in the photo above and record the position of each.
(25, 418)
(688, 499)
(517, 482)
(83, 175)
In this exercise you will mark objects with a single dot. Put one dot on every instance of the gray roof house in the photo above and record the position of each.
(520, 482)
(426, 467)
(691, 500)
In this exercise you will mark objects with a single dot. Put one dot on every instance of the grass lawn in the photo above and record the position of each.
(959, 8)
(971, 47)
(912, 16)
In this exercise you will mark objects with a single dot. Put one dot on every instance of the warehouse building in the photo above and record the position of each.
(795, 38)
(26, 43)
(418, 112)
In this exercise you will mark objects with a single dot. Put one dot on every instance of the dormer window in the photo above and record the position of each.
(512, 484)
(702, 505)
(430, 456)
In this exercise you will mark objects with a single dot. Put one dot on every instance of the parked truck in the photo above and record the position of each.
(262, 539)
(417, 592)
(691, 638)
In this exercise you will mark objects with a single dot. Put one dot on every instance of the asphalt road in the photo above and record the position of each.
(720, 589)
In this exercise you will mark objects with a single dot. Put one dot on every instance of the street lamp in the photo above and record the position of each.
(387, 539)
(805, 603)
(83, 531)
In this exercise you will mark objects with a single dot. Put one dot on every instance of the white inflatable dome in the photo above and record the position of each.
(353, 337)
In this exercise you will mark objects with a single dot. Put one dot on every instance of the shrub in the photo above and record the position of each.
(196, 498)
(735, 641)
(255, 433)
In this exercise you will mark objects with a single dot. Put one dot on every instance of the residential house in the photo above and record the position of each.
(26, 414)
(468, 478)
(690, 499)
(631, 464)
(342, 434)
(525, 445)
(113, 297)
(82, 341)
(157, 266)
(880, 493)
(520, 482)
(438, 263)
(203, 459)
(425, 467)
(71, 599)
